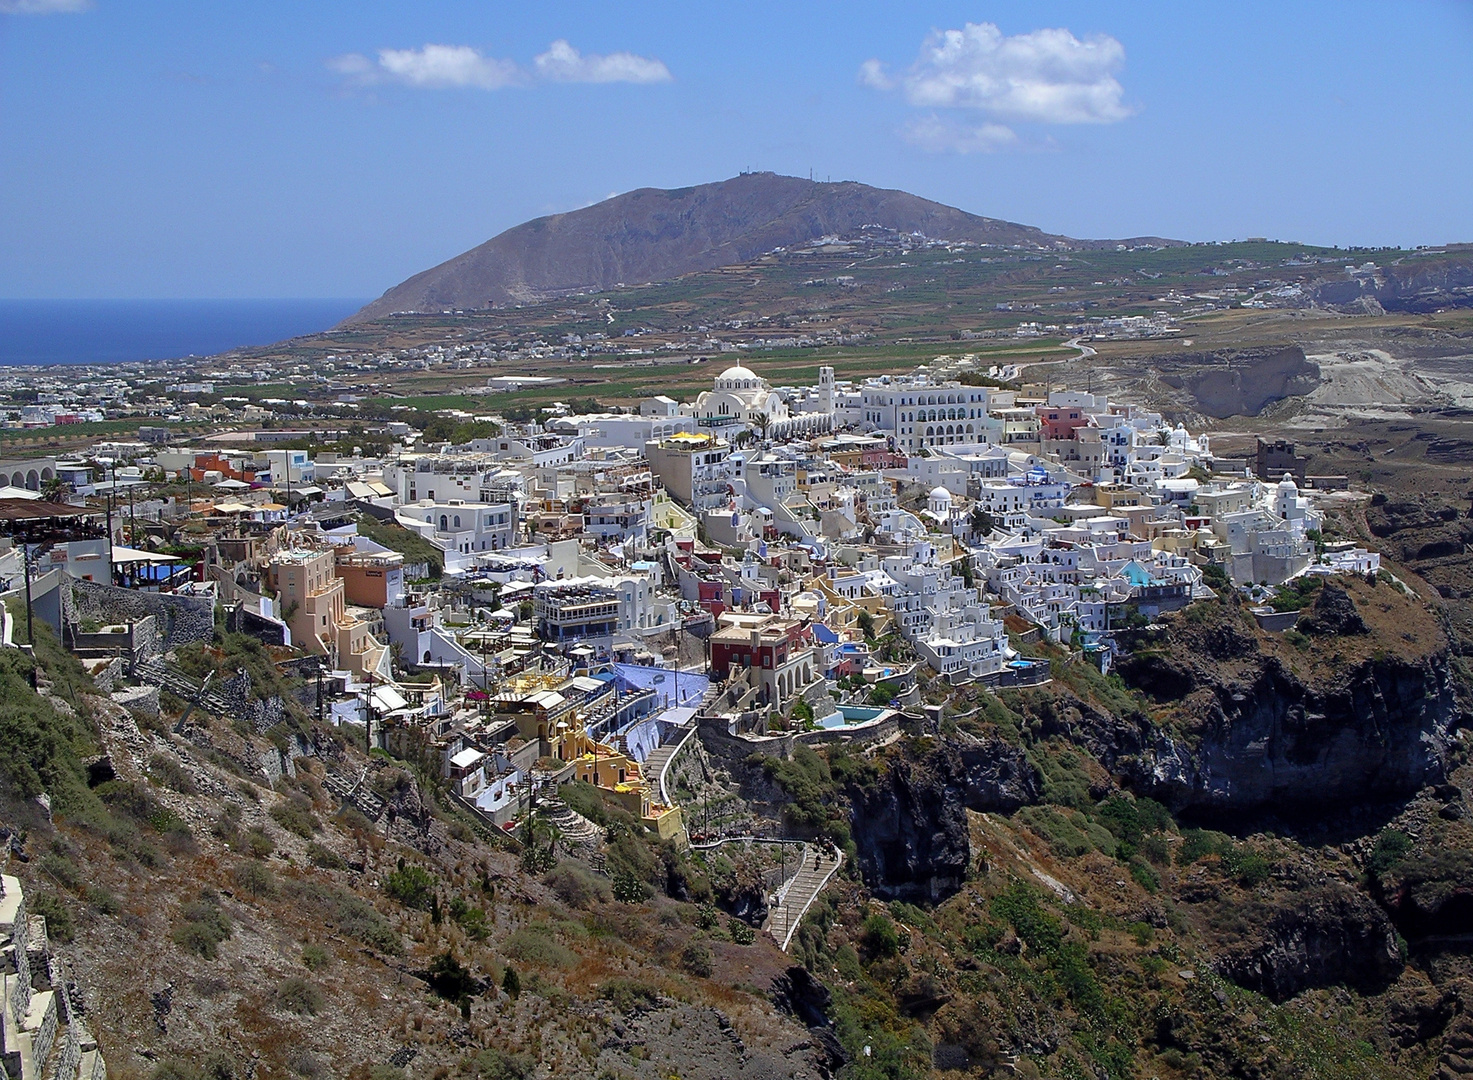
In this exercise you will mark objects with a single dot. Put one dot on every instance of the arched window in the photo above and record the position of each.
(457, 521)
(444, 523)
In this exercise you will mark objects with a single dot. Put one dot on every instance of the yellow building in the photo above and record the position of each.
(610, 769)
(314, 604)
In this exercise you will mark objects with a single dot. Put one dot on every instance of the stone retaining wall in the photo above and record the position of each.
(181, 619)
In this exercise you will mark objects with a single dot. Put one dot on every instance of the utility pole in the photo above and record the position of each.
(25, 548)
(110, 494)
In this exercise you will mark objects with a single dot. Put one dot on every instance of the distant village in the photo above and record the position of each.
(588, 595)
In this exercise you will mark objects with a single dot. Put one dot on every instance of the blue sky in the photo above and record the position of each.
(209, 149)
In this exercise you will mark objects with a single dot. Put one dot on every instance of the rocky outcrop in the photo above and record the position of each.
(910, 826)
(1241, 382)
(1332, 613)
(910, 830)
(1326, 937)
(1255, 734)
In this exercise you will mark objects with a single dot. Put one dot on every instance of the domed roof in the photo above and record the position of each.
(939, 492)
(1287, 483)
(737, 372)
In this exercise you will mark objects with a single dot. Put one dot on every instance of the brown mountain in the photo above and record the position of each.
(655, 235)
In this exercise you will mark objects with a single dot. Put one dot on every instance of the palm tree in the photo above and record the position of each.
(763, 422)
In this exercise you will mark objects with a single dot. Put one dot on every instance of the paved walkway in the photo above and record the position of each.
(819, 866)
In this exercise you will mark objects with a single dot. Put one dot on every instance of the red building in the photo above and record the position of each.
(1061, 422)
(767, 648)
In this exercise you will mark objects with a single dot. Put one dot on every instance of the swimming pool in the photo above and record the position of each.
(852, 716)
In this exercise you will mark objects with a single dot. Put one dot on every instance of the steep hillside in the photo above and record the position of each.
(222, 927)
(654, 235)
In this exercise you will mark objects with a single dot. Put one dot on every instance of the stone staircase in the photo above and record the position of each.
(359, 794)
(576, 834)
(819, 866)
(165, 676)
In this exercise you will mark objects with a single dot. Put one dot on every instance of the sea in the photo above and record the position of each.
(117, 331)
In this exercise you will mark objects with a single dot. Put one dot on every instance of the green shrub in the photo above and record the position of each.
(883, 693)
(350, 913)
(696, 958)
(324, 857)
(1066, 782)
(1131, 819)
(295, 815)
(880, 935)
(62, 870)
(41, 749)
(1249, 868)
(102, 901)
(297, 995)
(1392, 846)
(535, 945)
(1144, 875)
(1068, 832)
(411, 885)
(511, 982)
(576, 885)
(258, 844)
(1019, 907)
(198, 937)
(626, 994)
(451, 979)
(629, 889)
(254, 880)
(706, 917)
(493, 1064)
(169, 772)
(59, 923)
(470, 919)
(809, 786)
(1200, 843)
(315, 957)
(741, 932)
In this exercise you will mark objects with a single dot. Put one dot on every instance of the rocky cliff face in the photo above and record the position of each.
(1326, 936)
(1258, 729)
(910, 827)
(1240, 382)
(1415, 286)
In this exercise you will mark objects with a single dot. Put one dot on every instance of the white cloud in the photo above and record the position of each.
(563, 63)
(1047, 76)
(447, 66)
(940, 134)
(451, 66)
(872, 73)
(43, 7)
